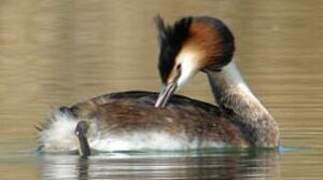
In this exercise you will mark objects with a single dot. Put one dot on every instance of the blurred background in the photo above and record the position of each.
(55, 53)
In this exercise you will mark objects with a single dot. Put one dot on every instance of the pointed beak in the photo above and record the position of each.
(164, 95)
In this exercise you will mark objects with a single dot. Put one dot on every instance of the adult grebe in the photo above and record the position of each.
(206, 44)
(128, 121)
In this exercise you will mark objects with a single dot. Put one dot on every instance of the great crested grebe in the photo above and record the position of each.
(206, 44)
(134, 120)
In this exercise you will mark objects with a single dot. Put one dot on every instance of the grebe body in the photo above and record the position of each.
(128, 121)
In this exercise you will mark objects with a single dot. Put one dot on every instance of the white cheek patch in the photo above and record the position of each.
(189, 66)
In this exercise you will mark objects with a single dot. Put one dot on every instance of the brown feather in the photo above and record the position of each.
(134, 111)
(207, 41)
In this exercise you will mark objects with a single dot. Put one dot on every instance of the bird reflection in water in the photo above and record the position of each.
(252, 164)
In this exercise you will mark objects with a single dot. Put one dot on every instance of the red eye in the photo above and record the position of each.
(178, 66)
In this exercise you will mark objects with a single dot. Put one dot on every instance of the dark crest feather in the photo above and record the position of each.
(171, 39)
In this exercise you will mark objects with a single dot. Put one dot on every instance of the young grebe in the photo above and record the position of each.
(134, 120)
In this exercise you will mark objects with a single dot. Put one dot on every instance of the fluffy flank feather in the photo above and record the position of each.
(56, 134)
(151, 140)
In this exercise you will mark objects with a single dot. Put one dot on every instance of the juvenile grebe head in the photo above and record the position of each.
(190, 45)
(81, 131)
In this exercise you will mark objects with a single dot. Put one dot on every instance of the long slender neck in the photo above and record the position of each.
(242, 107)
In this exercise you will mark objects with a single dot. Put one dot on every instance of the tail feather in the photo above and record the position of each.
(56, 133)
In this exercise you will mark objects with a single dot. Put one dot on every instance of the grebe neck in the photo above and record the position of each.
(241, 106)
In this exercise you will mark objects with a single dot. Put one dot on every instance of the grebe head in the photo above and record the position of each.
(192, 44)
(81, 131)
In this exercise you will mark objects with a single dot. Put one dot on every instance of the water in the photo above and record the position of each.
(60, 52)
